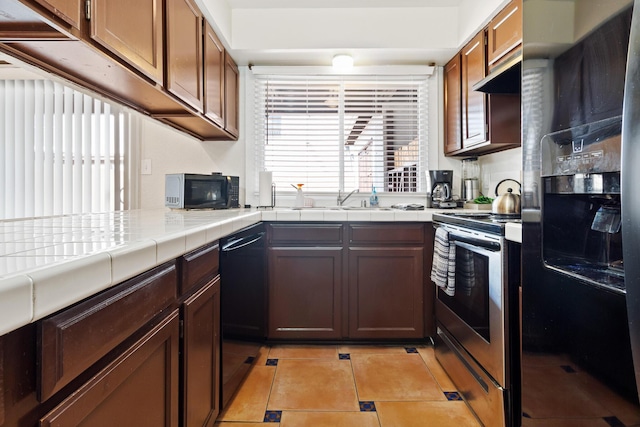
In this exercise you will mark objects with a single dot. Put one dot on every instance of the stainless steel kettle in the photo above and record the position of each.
(506, 203)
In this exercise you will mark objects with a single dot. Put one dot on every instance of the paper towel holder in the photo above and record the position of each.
(273, 198)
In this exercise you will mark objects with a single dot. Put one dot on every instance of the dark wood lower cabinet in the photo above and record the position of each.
(385, 293)
(201, 356)
(139, 388)
(359, 281)
(305, 286)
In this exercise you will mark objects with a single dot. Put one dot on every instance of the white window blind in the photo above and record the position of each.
(342, 133)
(63, 151)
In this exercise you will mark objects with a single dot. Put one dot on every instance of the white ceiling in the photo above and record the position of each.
(374, 32)
(334, 4)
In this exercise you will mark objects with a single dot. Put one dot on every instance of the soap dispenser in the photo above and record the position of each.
(373, 200)
(299, 196)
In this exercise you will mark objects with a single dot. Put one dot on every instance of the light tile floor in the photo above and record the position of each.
(336, 386)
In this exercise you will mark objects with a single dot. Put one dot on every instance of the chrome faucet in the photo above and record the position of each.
(341, 200)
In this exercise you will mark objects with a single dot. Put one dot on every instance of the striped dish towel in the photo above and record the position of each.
(443, 268)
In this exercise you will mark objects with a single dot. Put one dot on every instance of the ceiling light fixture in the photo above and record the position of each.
(342, 62)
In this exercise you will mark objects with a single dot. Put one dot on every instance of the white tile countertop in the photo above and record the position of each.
(47, 264)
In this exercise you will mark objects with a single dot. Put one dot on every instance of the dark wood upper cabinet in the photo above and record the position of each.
(453, 105)
(184, 52)
(133, 31)
(504, 33)
(139, 388)
(214, 82)
(69, 11)
(201, 356)
(487, 122)
(474, 111)
(231, 101)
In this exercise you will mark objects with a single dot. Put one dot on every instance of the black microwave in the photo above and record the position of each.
(198, 191)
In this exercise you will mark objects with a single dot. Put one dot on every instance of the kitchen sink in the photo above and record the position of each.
(343, 208)
(361, 208)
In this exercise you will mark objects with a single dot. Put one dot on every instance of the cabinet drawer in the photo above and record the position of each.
(76, 338)
(139, 388)
(368, 234)
(199, 265)
(305, 234)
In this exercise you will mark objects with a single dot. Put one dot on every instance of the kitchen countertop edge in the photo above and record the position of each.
(31, 294)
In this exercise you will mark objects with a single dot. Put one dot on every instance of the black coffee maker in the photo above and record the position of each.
(441, 185)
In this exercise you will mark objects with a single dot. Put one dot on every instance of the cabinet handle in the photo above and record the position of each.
(87, 10)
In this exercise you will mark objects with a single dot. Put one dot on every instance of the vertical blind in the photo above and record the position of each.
(342, 133)
(63, 151)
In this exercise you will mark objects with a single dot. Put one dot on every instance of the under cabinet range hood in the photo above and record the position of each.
(504, 78)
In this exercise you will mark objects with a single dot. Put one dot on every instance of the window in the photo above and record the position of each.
(342, 133)
(63, 151)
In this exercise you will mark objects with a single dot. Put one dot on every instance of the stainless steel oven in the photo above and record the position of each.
(473, 336)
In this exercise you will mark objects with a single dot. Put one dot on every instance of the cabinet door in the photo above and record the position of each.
(184, 52)
(304, 292)
(504, 32)
(139, 388)
(452, 106)
(133, 31)
(201, 356)
(214, 65)
(474, 116)
(231, 88)
(70, 11)
(386, 293)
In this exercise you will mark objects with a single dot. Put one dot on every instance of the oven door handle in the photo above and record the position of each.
(491, 246)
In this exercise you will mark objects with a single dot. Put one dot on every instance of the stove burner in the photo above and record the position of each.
(483, 221)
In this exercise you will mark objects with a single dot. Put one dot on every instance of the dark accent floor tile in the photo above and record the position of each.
(367, 407)
(272, 416)
(452, 395)
(411, 350)
(272, 362)
(614, 422)
(344, 356)
(568, 369)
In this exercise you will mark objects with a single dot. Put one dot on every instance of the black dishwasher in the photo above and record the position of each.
(243, 301)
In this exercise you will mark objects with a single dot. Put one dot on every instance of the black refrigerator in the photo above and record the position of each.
(580, 302)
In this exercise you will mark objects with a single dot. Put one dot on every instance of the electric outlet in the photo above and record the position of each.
(146, 167)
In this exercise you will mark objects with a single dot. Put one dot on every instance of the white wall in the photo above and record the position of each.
(402, 28)
(170, 151)
(498, 166)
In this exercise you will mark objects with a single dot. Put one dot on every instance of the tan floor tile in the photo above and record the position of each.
(263, 355)
(313, 385)
(429, 357)
(237, 424)
(329, 419)
(303, 352)
(394, 377)
(564, 422)
(250, 401)
(420, 414)
(371, 349)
